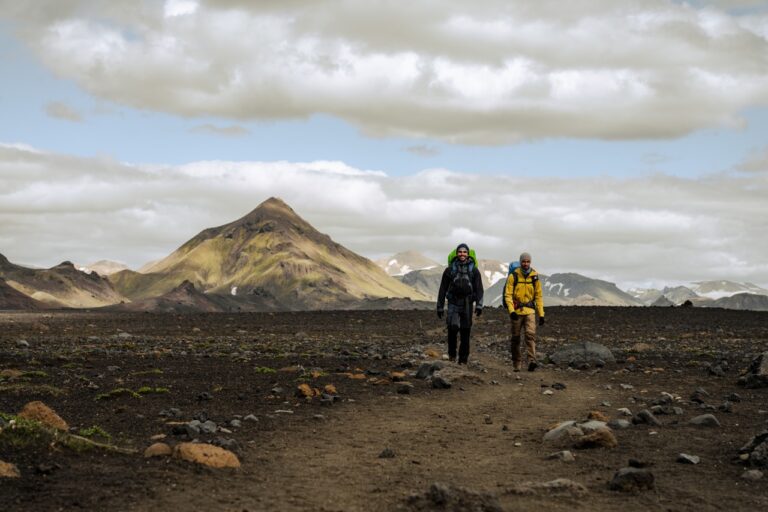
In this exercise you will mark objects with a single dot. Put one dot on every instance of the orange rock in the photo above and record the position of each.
(206, 454)
(631, 359)
(305, 390)
(8, 470)
(316, 374)
(157, 450)
(38, 411)
(597, 415)
(357, 376)
(602, 438)
(289, 369)
(397, 376)
(430, 352)
(330, 389)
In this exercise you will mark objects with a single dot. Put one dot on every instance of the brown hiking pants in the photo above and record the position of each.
(526, 324)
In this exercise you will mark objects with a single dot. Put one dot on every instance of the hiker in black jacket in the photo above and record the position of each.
(463, 287)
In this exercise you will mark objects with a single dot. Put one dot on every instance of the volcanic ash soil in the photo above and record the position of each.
(358, 411)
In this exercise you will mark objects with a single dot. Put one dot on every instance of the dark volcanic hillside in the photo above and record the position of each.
(60, 286)
(271, 256)
(10, 298)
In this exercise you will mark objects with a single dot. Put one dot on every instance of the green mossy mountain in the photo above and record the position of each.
(270, 256)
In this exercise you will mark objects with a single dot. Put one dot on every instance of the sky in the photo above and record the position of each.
(623, 140)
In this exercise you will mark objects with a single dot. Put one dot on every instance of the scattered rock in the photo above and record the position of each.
(602, 438)
(565, 431)
(427, 369)
(619, 424)
(564, 456)
(699, 396)
(752, 474)
(592, 426)
(647, 417)
(733, 397)
(547, 392)
(8, 470)
(725, 407)
(684, 458)
(22, 344)
(158, 450)
(251, 417)
(447, 498)
(705, 420)
(631, 480)
(387, 453)
(304, 390)
(208, 427)
(757, 373)
(624, 411)
(557, 486)
(440, 382)
(171, 412)
(559, 386)
(206, 454)
(597, 415)
(38, 411)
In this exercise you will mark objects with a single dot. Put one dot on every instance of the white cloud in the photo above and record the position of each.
(485, 72)
(661, 228)
(63, 111)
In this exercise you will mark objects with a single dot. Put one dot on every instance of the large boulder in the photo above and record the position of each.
(757, 373)
(576, 354)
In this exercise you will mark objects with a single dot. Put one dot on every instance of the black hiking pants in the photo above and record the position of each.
(453, 338)
(459, 320)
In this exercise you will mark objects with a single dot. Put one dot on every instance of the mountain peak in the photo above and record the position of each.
(272, 207)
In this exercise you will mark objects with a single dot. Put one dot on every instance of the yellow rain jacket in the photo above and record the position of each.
(527, 295)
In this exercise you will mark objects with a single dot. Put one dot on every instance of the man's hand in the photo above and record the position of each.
(439, 313)
(541, 320)
(478, 311)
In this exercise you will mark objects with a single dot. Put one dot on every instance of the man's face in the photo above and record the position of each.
(525, 264)
(462, 254)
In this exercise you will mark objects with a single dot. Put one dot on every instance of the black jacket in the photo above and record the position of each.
(445, 292)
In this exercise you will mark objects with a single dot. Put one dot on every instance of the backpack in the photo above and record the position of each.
(512, 268)
(461, 275)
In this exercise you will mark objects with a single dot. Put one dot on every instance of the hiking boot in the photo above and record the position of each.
(517, 366)
(532, 366)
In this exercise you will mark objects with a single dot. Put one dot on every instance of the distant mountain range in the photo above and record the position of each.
(272, 259)
(570, 289)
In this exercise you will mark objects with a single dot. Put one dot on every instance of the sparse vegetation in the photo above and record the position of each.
(36, 374)
(31, 389)
(153, 371)
(265, 370)
(147, 390)
(95, 431)
(117, 393)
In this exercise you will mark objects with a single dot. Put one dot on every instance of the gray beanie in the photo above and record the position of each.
(525, 256)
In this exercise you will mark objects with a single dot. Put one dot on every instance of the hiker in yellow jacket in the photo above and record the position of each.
(524, 299)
